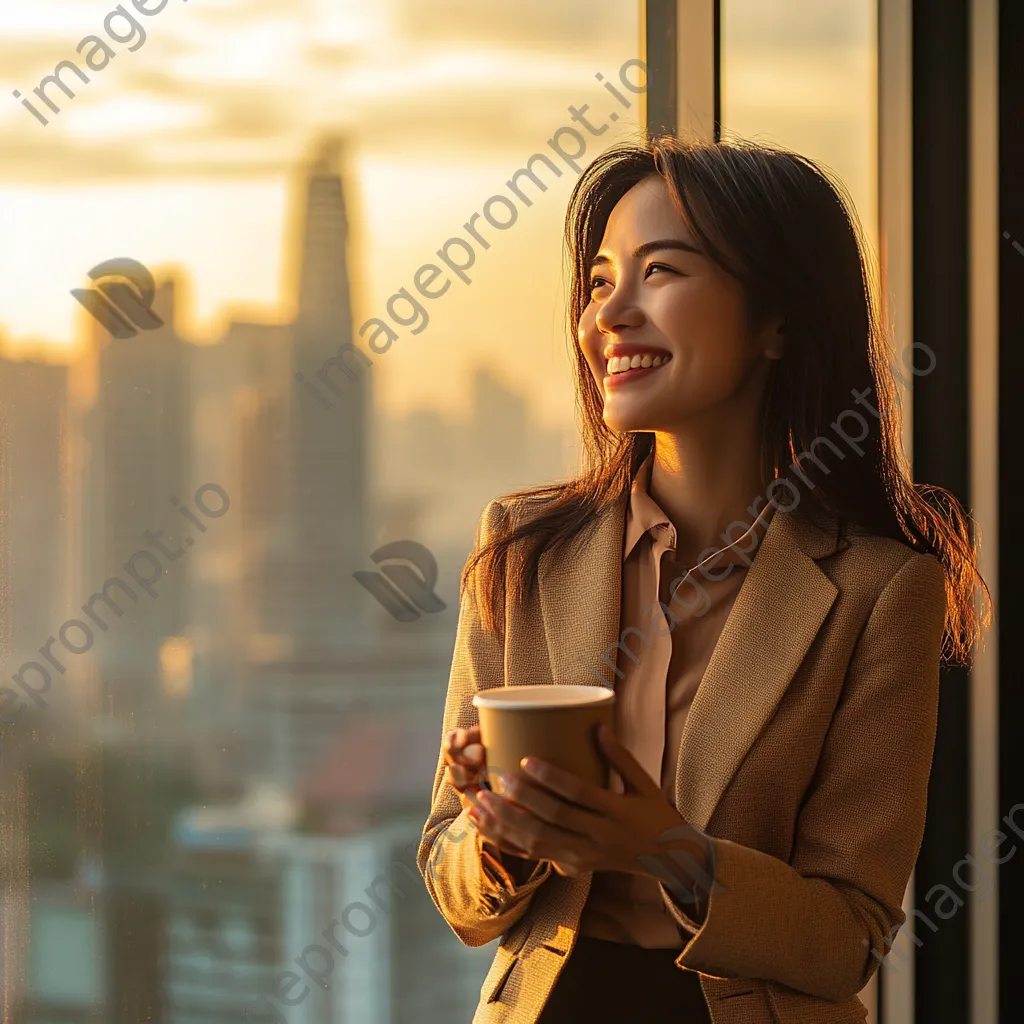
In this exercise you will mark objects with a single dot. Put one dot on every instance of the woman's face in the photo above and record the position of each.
(670, 314)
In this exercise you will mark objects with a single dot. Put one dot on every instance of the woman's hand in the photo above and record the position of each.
(554, 815)
(464, 755)
(465, 758)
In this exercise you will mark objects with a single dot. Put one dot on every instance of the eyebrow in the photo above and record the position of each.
(646, 248)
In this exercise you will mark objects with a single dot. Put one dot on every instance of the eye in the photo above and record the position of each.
(597, 282)
(659, 266)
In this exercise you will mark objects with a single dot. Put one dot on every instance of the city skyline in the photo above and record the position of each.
(138, 415)
(180, 160)
(259, 663)
(246, 757)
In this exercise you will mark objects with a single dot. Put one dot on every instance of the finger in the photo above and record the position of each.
(491, 831)
(460, 738)
(540, 840)
(548, 807)
(633, 774)
(460, 757)
(506, 836)
(565, 784)
(463, 778)
(461, 775)
(452, 744)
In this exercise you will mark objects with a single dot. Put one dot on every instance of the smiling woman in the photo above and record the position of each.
(98, 51)
(696, 310)
(784, 734)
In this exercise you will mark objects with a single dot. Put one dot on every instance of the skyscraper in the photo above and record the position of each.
(329, 472)
(138, 441)
(33, 505)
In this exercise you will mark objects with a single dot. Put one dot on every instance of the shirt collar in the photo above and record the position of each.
(644, 515)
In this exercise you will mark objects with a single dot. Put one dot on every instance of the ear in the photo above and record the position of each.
(773, 337)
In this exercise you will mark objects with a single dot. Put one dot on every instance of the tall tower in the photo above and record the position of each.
(33, 506)
(329, 472)
(138, 438)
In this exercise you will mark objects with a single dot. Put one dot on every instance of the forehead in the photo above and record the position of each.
(644, 213)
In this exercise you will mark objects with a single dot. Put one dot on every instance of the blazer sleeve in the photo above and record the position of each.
(470, 886)
(813, 924)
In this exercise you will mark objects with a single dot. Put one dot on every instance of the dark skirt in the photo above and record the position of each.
(620, 984)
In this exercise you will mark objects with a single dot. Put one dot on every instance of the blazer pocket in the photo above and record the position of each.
(501, 968)
(790, 1007)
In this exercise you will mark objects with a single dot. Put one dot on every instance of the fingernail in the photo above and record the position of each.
(528, 764)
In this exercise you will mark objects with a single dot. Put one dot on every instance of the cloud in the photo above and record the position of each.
(27, 60)
(573, 26)
(238, 90)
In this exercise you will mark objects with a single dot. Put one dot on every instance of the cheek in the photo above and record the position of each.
(708, 326)
(700, 310)
(591, 341)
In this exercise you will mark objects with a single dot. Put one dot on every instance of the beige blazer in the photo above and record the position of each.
(806, 756)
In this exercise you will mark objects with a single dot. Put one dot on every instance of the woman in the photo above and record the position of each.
(746, 561)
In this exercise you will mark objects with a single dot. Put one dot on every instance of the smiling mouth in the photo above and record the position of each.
(619, 369)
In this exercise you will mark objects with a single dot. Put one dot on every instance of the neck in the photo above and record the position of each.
(704, 478)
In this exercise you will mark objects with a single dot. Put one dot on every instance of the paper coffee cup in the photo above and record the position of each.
(554, 722)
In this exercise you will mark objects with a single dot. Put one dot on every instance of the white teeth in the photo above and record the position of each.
(619, 364)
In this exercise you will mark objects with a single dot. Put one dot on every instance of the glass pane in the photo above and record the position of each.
(802, 74)
(222, 690)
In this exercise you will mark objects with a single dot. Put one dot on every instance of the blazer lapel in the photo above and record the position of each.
(580, 592)
(777, 613)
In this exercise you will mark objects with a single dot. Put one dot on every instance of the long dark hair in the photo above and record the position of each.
(786, 230)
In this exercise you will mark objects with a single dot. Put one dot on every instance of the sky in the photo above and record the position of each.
(187, 153)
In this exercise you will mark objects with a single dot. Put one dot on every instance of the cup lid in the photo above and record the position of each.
(544, 695)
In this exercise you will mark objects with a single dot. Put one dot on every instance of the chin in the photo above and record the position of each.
(624, 423)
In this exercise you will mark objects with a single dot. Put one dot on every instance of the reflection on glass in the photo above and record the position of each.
(332, 331)
(802, 74)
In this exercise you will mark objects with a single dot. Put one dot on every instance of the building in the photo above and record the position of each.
(224, 940)
(329, 490)
(138, 465)
(34, 475)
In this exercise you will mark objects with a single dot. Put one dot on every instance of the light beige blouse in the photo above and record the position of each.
(671, 620)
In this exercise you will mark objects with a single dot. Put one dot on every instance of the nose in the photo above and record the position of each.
(618, 311)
